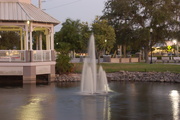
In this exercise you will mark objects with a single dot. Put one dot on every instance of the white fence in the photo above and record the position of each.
(42, 55)
(12, 55)
(22, 55)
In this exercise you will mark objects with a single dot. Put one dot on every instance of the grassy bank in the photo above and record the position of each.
(140, 67)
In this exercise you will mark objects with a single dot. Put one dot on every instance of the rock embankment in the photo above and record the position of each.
(144, 76)
(128, 76)
(68, 78)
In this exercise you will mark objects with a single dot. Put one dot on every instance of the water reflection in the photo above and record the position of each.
(174, 96)
(129, 101)
(34, 102)
(32, 110)
(139, 101)
(95, 108)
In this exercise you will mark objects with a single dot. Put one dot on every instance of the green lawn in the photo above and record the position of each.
(140, 67)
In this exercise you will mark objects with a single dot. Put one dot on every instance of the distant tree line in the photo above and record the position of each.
(133, 19)
(74, 35)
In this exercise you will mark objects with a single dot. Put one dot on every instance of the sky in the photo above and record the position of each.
(84, 10)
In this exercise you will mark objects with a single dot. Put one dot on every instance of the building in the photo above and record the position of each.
(26, 19)
(169, 49)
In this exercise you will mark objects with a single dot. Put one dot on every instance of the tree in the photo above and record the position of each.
(73, 36)
(63, 64)
(85, 33)
(74, 33)
(104, 36)
(132, 20)
(9, 40)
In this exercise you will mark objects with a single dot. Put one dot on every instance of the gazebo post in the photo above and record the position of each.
(40, 41)
(21, 39)
(30, 36)
(52, 38)
(37, 42)
(26, 38)
(47, 40)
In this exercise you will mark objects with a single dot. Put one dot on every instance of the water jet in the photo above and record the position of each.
(91, 81)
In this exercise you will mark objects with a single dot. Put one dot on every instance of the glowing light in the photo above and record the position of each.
(33, 109)
(174, 93)
(174, 96)
(151, 30)
(174, 41)
(28, 22)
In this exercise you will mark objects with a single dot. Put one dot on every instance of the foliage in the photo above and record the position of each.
(74, 33)
(9, 40)
(104, 35)
(63, 48)
(63, 64)
(132, 20)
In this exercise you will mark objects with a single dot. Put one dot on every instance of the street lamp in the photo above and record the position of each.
(177, 49)
(105, 46)
(151, 31)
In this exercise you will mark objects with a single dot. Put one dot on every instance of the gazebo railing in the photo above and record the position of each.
(42, 55)
(12, 56)
(25, 56)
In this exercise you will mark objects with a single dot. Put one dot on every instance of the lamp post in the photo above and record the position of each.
(0, 38)
(175, 43)
(177, 49)
(105, 46)
(151, 31)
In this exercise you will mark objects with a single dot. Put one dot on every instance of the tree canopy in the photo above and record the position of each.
(132, 20)
(104, 35)
(73, 33)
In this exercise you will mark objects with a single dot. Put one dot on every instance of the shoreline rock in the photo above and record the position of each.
(128, 76)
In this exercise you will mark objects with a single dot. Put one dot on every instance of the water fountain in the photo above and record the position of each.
(91, 81)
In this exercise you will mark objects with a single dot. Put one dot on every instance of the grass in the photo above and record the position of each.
(136, 67)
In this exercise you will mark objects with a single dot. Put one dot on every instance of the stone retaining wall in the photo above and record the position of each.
(129, 76)
(144, 76)
(68, 78)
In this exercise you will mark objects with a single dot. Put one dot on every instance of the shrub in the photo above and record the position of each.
(63, 65)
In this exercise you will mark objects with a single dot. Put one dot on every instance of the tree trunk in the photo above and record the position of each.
(124, 50)
(99, 55)
(146, 51)
(98, 59)
(120, 50)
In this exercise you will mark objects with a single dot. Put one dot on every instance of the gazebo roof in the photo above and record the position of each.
(23, 10)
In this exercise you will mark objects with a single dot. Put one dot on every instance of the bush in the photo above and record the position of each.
(62, 64)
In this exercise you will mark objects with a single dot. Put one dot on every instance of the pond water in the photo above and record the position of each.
(62, 101)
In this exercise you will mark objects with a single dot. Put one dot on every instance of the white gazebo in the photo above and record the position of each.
(25, 19)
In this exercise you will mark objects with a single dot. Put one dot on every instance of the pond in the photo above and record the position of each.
(62, 101)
